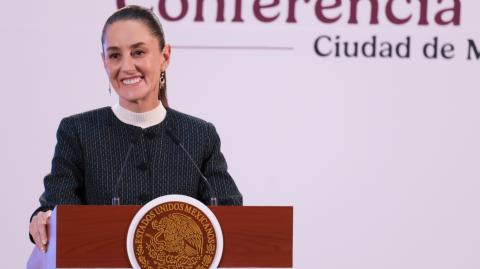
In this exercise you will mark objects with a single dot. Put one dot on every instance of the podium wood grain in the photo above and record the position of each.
(95, 236)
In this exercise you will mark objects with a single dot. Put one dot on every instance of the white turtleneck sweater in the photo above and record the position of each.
(142, 120)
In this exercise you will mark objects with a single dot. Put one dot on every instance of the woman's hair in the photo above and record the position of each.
(145, 15)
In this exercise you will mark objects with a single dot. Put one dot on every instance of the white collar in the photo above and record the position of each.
(142, 120)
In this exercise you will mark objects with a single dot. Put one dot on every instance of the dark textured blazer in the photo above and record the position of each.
(92, 146)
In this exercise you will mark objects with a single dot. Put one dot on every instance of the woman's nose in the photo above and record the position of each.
(127, 64)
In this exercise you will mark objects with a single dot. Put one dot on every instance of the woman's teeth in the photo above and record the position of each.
(131, 81)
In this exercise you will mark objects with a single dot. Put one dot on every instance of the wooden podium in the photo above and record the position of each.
(95, 237)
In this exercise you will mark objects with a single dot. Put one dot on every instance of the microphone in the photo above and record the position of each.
(213, 196)
(116, 198)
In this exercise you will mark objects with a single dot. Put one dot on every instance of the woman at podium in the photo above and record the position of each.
(140, 148)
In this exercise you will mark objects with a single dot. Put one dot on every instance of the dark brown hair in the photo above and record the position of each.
(146, 16)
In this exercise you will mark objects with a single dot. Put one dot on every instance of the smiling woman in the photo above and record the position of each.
(134, 63)
(136, 57)
(141, 148)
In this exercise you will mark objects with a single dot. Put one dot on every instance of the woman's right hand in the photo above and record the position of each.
(38, 229)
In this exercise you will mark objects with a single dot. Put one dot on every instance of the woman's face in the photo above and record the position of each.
(133, 61)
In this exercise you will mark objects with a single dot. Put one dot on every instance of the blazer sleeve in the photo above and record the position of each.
(215, 170)
(64, 183)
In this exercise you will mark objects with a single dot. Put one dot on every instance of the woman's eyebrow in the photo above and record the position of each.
(138, 44)
(112, 48)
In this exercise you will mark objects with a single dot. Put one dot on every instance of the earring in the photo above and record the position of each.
(109, 90)
(162, 77)
(162, 80)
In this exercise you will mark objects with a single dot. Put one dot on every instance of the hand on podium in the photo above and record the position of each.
(38, 229)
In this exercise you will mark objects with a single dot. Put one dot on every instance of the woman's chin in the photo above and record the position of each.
(132, 94)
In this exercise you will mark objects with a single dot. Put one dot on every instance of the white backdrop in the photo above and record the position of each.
(379, 157)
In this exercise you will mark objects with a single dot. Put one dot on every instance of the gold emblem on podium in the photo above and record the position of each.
(174, 235)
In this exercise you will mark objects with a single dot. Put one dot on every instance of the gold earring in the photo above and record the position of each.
(162, 80)
(162, 77)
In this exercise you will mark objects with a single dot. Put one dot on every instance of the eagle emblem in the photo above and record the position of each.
(178, 240)
(174, 235)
